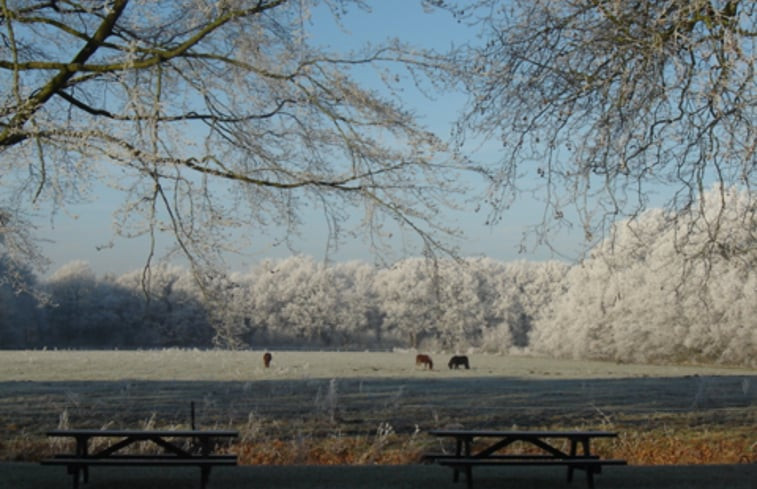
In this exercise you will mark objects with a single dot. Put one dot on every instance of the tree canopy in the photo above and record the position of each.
(214, 119)
(217, 119)
(615, 106)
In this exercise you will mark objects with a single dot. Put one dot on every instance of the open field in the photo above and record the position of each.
(363, 408)
(222, 365)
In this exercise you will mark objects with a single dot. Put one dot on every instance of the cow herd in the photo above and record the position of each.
(421, 360)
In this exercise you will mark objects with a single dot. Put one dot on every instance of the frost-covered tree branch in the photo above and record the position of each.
(18, 252)
(614, 106)
(211, 117)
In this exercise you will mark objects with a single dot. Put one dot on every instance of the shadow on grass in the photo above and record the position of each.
(360, 405)
(33, 476)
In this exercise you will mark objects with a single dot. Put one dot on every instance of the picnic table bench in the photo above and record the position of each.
(489, 446)
(202, 444)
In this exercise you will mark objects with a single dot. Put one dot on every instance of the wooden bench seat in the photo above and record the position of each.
(591, 464)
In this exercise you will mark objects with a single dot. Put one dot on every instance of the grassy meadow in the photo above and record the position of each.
(359, 408)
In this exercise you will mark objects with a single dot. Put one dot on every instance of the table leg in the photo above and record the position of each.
(462, 450)
(586, 448)
(589, 469)
(82, 451)
(573, 444)
(458, 454)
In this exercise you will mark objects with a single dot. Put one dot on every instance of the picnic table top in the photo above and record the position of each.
(142, 433)
(462, 433)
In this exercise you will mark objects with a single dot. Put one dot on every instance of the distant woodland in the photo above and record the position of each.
(638, 296)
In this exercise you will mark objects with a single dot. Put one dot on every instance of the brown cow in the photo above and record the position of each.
(267, 357)
(424, 360)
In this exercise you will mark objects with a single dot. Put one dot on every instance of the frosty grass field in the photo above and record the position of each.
(363, 408)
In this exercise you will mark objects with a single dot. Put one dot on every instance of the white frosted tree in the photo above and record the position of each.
(641, 297)
(462, 315)
(356, 312)
(409, 301)
(295, 283)
(265, 302)
(496, 304)
(737, 288)
(513, 295)
(299, 300)
(530, 290)
(234, 316)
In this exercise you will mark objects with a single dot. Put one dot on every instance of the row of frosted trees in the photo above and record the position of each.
(298, 302)
(643, 295)
(447, 305)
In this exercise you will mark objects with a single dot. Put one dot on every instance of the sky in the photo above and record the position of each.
(85, 231)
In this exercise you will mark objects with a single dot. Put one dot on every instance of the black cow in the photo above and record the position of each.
(457, 361)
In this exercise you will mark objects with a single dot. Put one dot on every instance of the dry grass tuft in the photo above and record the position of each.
(385, 447)
(686, 448)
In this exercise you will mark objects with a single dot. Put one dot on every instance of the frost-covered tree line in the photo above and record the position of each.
(297, 301)
(638, 297)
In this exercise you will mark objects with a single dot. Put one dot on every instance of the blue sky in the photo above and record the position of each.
(85, 231)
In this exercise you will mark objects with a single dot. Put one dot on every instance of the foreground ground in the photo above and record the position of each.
(33, 476)
(368, 408)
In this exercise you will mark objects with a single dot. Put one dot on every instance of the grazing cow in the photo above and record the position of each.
(267, 357)
(424, 360)
(457, 361)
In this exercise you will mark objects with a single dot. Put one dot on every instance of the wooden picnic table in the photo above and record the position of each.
(489, 446)
(174, 443)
